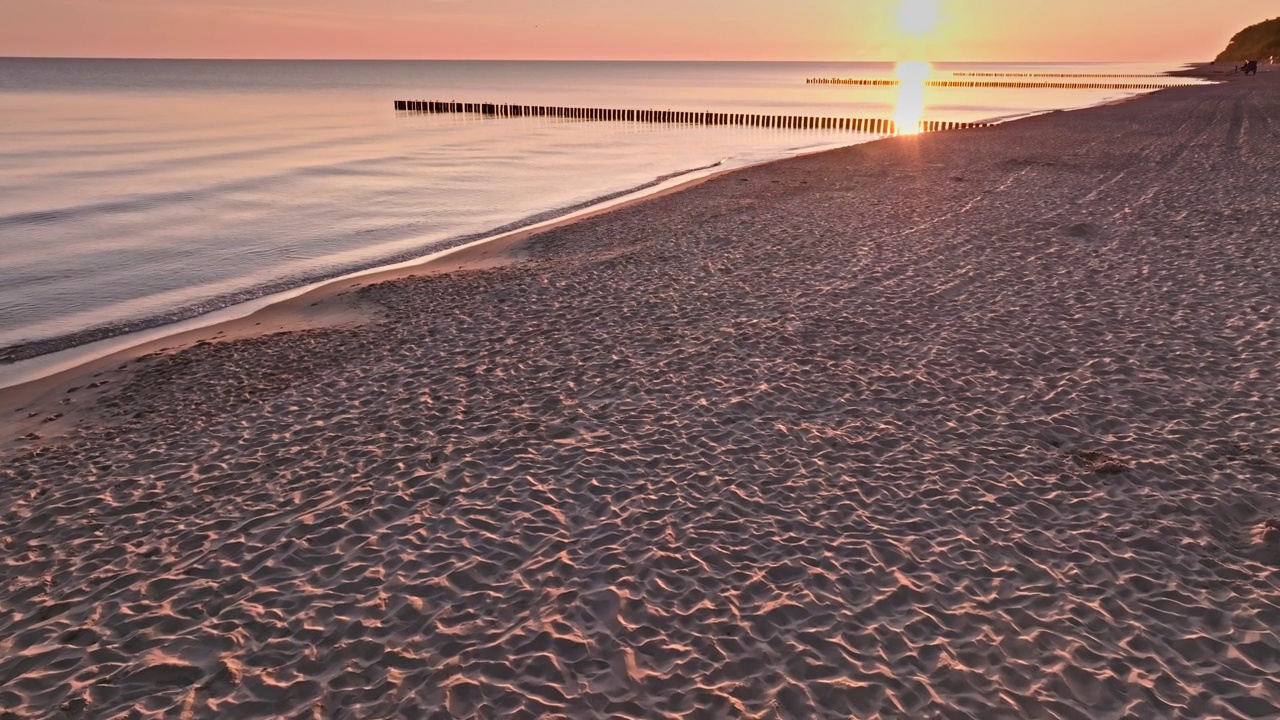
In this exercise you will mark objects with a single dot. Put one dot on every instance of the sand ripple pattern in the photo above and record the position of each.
(953, 426)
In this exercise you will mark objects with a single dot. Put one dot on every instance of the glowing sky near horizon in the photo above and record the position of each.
(966, 30)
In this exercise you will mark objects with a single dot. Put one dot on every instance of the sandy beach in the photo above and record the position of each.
(979, 424)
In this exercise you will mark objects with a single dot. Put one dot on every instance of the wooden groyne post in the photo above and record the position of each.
(876, 126)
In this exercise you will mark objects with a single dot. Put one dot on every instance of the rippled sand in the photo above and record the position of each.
(980, 424)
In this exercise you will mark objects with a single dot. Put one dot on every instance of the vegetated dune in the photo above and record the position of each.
(1256, 42)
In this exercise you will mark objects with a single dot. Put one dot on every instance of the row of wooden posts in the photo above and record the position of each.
(1054, 75)
(878, 126)
(998, 84)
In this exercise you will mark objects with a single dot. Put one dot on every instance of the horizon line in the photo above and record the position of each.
(565, 60)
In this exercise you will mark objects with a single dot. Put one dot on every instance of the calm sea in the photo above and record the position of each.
(135, 193)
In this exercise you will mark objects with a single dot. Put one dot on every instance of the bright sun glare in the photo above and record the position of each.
(918, 17)
(913, 72)
(909, 110)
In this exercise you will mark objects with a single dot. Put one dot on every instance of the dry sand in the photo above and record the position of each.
(978, 424)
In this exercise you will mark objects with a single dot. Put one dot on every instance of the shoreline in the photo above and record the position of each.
(117, 333)
(17, 376)
(977, 424)
(24, 352)
(34, 402)
(40, 395)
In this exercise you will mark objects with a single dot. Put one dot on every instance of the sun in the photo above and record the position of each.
(918, 17)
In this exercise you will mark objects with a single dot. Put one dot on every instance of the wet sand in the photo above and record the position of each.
(974, 424)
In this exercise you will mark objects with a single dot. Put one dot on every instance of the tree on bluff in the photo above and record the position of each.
(1256, 42)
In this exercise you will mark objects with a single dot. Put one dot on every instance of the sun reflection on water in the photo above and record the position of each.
(909, 110)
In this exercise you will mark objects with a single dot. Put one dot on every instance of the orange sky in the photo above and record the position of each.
(1027, 30)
